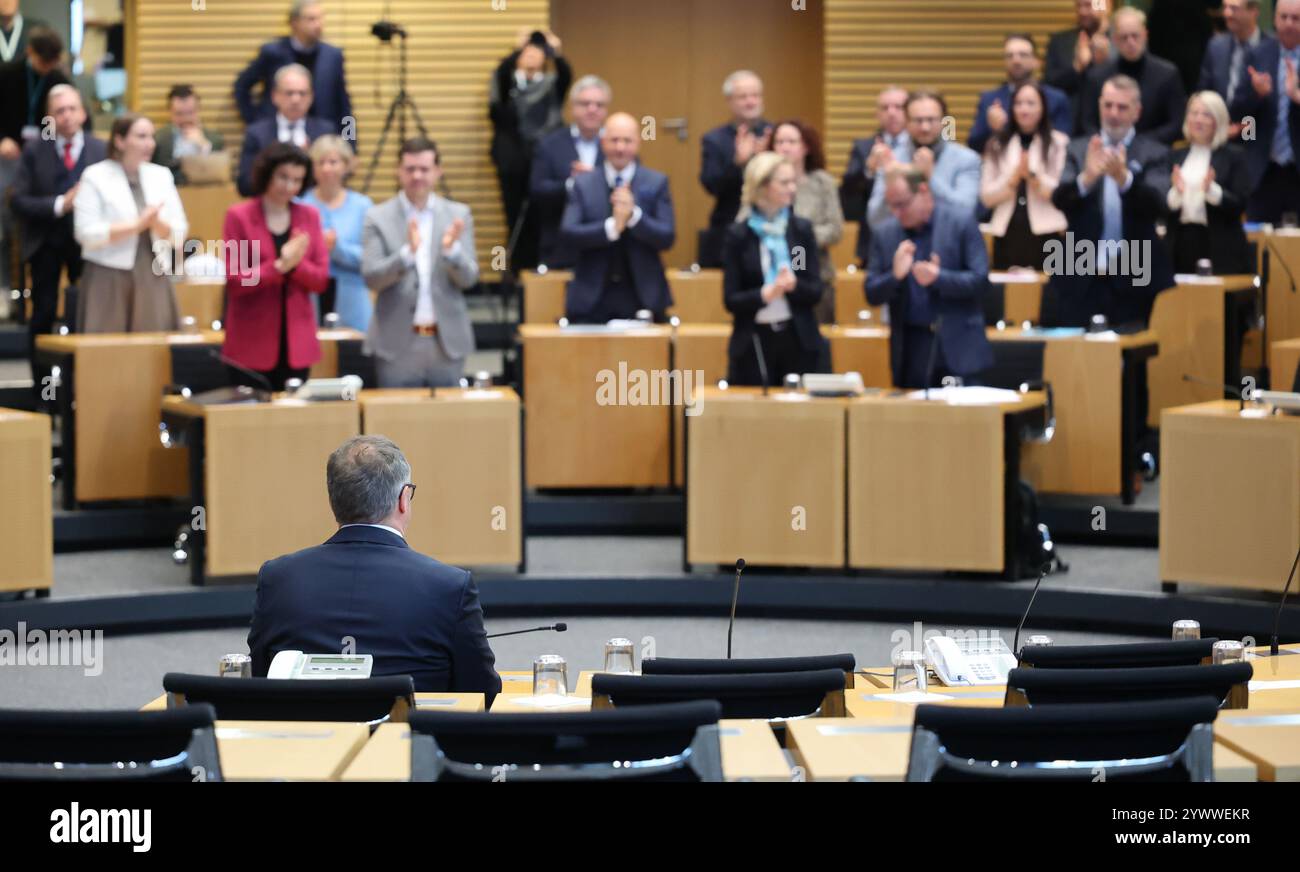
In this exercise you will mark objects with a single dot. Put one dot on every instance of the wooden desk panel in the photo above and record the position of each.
(1022, 296)
(851, 299)
(864, 350)
(837, 749)
(750, 752)
(287, 750)
(1282, 311)
(465, 453)
(520, 704)
(766, 479)
(697, 296)
(572, 440)
(1189, 320)
(200, 300)
(697, 348)
(1229, 499)
(26, 511)
(544, 296)
(1284, 362)
(205, 210)
(1270, 740)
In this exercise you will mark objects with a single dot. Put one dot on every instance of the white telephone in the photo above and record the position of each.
(969, 661)
(295, 664)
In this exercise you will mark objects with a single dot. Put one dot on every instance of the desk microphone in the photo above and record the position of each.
(559, 628)
(762, 364)
(1268, 246)
(1277, 620)
(1236, 392)
(934, 354)
(735, 595)
(1015, 645)
(243, 369)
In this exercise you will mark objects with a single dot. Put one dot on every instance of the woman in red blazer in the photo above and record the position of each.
(275, 259)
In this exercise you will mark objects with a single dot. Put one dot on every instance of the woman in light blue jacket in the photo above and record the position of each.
(342, 212)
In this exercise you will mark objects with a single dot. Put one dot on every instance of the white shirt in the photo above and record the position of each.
(422, 260)
(1190, 202)
(588, 149)
(78, 140)
(291, 131)
(394, 531)
(625, 175)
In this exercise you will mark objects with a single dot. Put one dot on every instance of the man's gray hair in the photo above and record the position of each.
(300, 6)
(290, 70)
(729, 84)
(1125, 83)
(60, 90)
(365, 476)
(590, 81)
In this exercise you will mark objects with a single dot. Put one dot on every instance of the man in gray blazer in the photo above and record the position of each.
(417, 253)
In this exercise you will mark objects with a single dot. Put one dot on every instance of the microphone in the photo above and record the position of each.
(735, 595)
(1277, 620)
(762, 368)
(1268, 246)
(243, 369)
(1015, 645)
(934, 354)
(1239, 394)
(559, 628)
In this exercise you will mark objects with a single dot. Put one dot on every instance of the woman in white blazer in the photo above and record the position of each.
(1022, 165)
(129, 221)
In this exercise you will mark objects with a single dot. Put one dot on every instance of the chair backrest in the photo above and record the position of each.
(367, 700)
(176, 745)
(719, 666)
(677, 742)
(1184, 652)
(1226, 683)
(195, 367)
(772, 696)
(1168, 740)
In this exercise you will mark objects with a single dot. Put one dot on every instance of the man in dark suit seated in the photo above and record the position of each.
(618, 219)
(561, 157)
(1223, 67)
(1163, 99)
(993, 110)
(1270, 95)
(323, 61)
(724, 151)
(868, 158)
(366, 589)
(291, 123)
(45, 190)
(1112, 191)
(930, 264)
(185, 135)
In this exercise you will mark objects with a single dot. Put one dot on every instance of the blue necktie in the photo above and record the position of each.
(1112, 215)
(1283, 151)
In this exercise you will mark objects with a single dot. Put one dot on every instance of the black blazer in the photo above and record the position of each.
(742, 284)
(1164, 100)
(39, 179)
(14, 97)
(548, 189)
(416, 616)
(509, 151)
(328, 81)
(1229, 251)
(262, 133)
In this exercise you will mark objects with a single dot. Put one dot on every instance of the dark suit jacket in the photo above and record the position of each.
(510, 152)
(39, 179)
(329, 84)
(855, 192)
(583, 228)
(1059, 69)
(1216, 65)
(719, 174)
(1264, 58)
(1058, 110)
(548, 191)
(1229, 251)
(164, 153)
(956, 297)
(14, 96)
(416, 616)
(742, 284)
(262, 133)
(1163, 98)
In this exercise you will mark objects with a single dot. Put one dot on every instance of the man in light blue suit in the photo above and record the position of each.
(951, 169)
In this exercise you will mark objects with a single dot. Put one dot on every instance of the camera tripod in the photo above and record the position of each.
(397, 109)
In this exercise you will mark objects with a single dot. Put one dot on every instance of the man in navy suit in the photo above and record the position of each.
(291, 95)
(44, 192)
(1223, 67)
(867, 159)
(303, 46)
(1112, 190)
(994, 108)
(561, 157)
(930, 264)
(724, 151)
(619, 218)
(1270, 97)
(366, 590)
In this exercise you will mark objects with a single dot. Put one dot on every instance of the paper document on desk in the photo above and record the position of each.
(968, 396)
(551, 700)
(1292, 684)
(912, 696)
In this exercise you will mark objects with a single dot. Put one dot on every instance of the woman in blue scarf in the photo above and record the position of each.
(771, 280)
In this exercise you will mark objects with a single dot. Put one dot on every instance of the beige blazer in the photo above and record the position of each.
(995, 176)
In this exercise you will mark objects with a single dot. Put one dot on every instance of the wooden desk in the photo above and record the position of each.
(851, 298)
(258, 470)
(520, 704)
(1022, 296)
(1284, 363)
(873, 703)
(1199, 323)
(700, 349)
(697, 296)
(205, 209)
(572, 439)
(933, 485)
(837, 749)
(765, 479)
(862, 348)
(200, 299)
(287, 750)
(1282, 307)
(465, 450)
(517, 681)
(1270, 740)
(26, 518)
(1229, 500)
(543, 301)
(108, 400)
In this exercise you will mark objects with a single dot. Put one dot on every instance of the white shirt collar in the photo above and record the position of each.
(393, 530)
(283, 122)
(577, 134)
(410, 208)
(78, 139)
(627, 173)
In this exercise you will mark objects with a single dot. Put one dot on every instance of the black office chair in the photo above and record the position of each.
(366, 700)
(771, 696)
(719, 666)
(1184, 652)
(1018, 366)
(1169, 740)
(177, 745)
(197, 368)
(677, 742)
(1226, 683)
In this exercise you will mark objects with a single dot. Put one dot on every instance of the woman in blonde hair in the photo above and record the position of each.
(1208, 189)
(342, 214)
(771, 279)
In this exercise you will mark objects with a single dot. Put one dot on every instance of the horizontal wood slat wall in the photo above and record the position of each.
(454, 46)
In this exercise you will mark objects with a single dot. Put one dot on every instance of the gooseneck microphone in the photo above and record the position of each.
(559, 628)
(934, 355)
(762, 364)
(1236, 392)
(1277, 619)
(243, 369)
(735, 596)
(1015, 645)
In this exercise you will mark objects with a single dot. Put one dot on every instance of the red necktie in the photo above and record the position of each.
(67, 155)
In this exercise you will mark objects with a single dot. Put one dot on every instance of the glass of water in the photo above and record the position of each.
(235, 666)
(618, 656)
(1186, 630)
(550, 675)
(909, 672)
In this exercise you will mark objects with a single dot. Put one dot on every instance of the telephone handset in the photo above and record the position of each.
(969, 661)
(295, 664)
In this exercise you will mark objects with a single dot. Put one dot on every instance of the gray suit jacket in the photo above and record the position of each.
(382, 238)
(955, 181)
